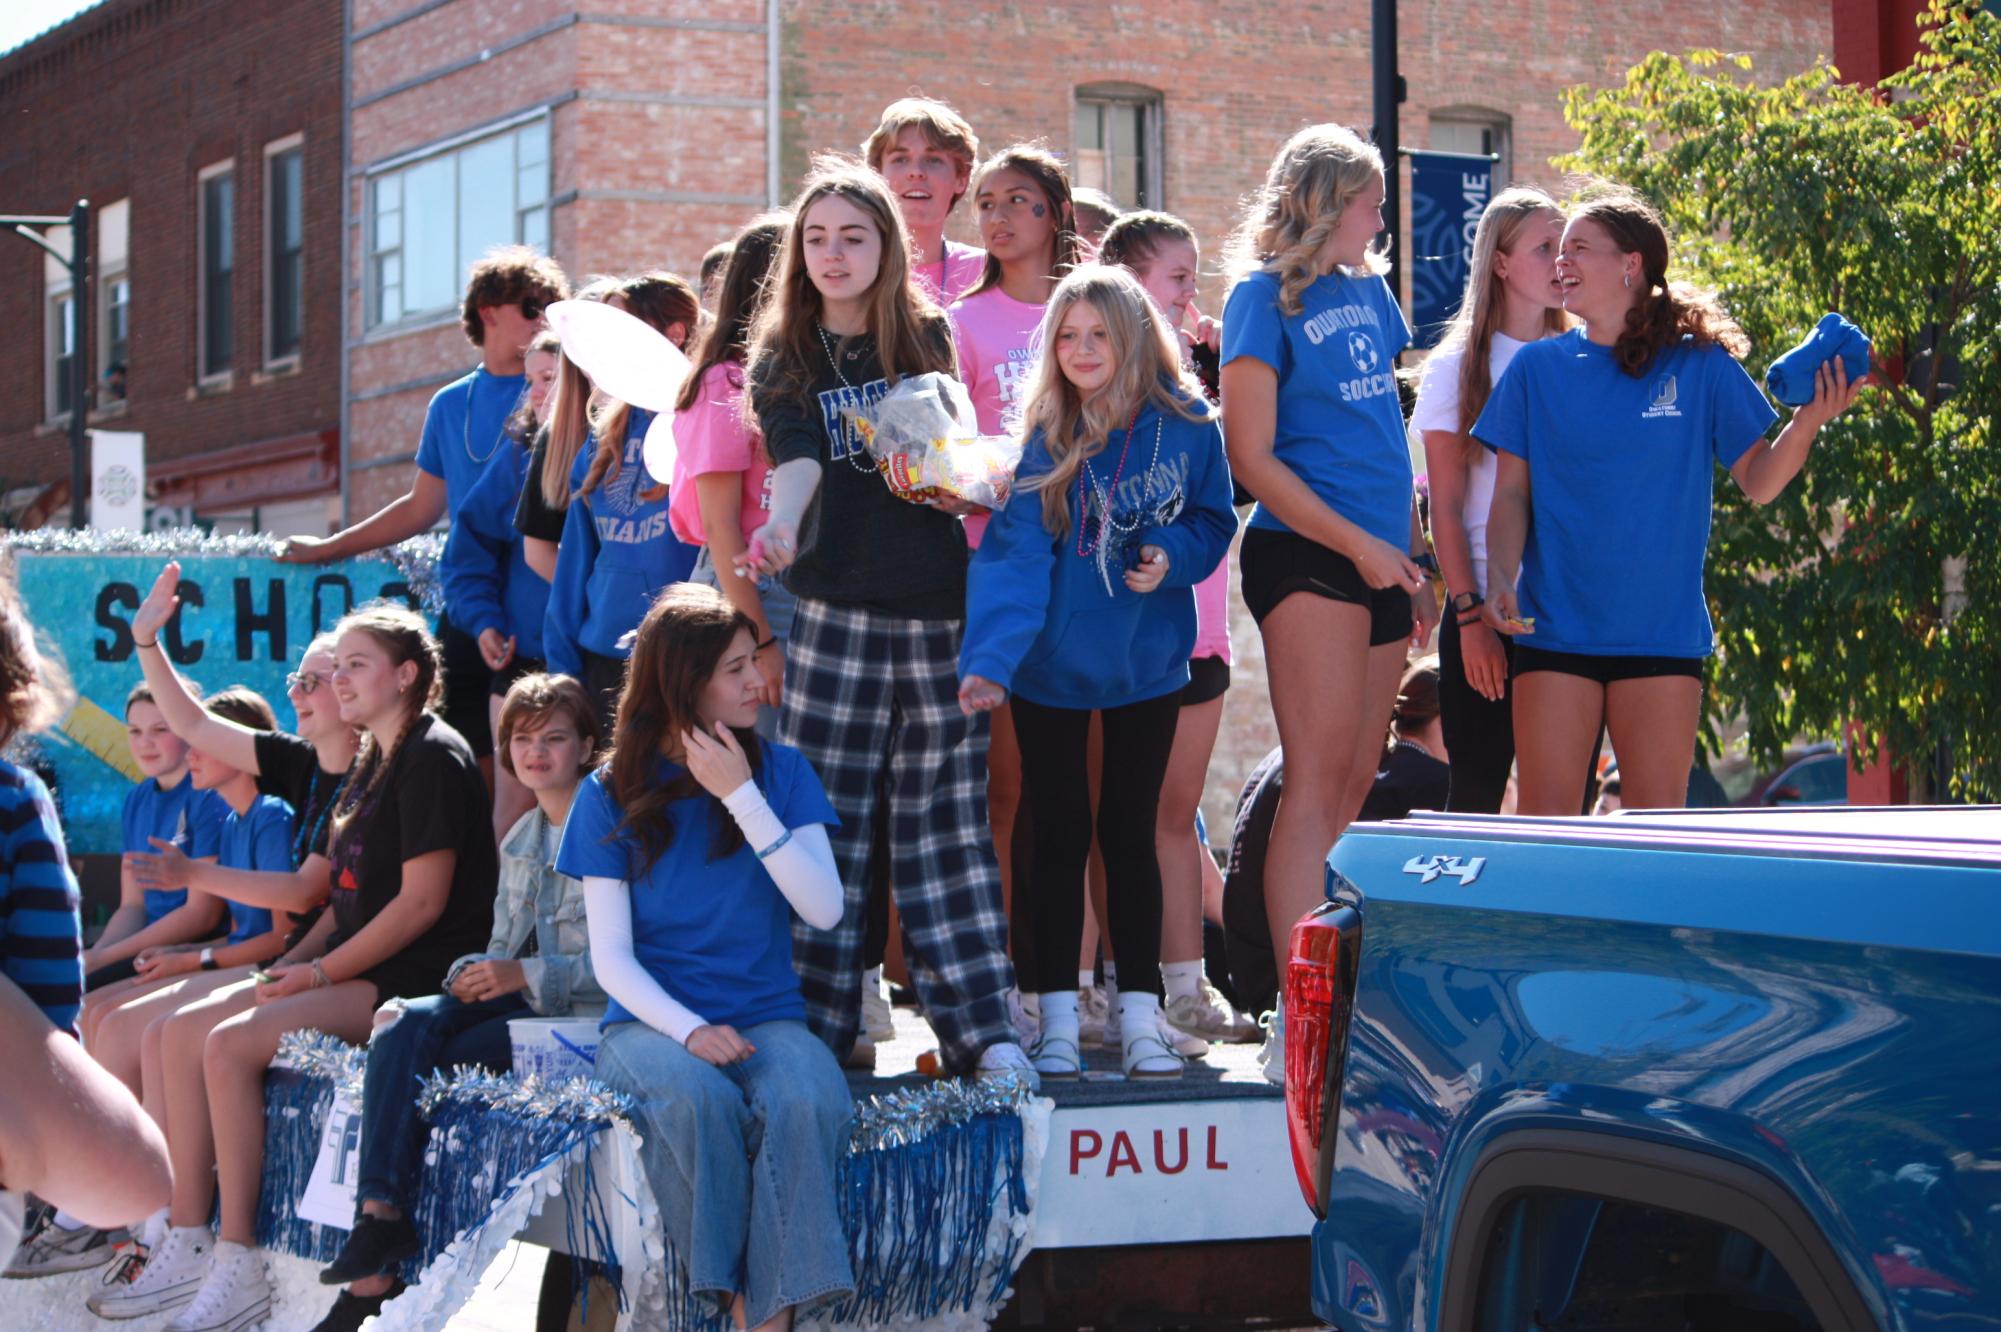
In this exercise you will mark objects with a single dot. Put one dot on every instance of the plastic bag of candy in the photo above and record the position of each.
(926, 442)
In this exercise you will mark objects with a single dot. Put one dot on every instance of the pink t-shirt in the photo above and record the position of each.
(996, 336)
(712, 436)
(1212, 615)
(949, 279)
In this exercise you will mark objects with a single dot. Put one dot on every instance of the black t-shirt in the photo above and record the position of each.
(1407, 779)
(431, 798)
(859, 544)
(289, 768)
(533, 514)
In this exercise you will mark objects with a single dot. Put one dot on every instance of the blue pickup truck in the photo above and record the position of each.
(1710, 1070)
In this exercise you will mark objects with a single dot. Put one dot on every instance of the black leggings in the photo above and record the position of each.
(1479, 734)
(1055, 785)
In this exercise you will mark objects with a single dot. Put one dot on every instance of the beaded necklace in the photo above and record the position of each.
(867, 463)
(1106, 518)
(306, 839)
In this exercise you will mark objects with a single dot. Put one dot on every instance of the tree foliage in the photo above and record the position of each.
(1811, 195)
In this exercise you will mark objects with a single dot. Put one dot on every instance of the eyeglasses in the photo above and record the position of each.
(531, 309)
(305, 682)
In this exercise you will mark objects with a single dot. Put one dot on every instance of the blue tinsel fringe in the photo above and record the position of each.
(295, 1112)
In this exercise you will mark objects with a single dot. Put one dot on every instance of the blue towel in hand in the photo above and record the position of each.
(1791, 377)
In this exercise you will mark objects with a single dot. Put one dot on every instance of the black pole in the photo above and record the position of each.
(1388, 87)
(79, 362)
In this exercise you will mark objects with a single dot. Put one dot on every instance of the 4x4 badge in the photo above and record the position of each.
(1429, 868)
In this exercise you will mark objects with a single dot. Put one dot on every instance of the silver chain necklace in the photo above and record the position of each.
(465, 434)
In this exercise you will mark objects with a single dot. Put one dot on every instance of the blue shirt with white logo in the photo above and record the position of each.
(1620, 475)
(1340, 424)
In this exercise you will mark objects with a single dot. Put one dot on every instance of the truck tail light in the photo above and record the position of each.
(1319, 986)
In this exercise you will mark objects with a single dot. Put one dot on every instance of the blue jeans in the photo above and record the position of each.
(779, 605)
(435, 1032)
(742, 1159)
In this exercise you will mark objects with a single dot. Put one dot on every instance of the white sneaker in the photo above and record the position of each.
(1092, 1010)
(1186, 1044)
(877, 1024)
(1208, 1015)
(57, 1248)
(1006, 1059)
(173, 1275)
(1271, 1058)
(235, 1298)
(1026, 1021)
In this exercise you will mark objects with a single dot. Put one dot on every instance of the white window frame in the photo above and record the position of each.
(1153, 139)
(111, 269)
(1498, 124)
(57, 326)
(204, 376)
(372, 257)
(290, 360)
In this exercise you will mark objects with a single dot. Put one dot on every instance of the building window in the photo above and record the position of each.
(62, 351)
(218, 270)
(114, 301)
(429, 220)
(284, 249)
(1476, 132)
(1119, 144)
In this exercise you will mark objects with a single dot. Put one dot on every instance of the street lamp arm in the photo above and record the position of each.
(22, 229)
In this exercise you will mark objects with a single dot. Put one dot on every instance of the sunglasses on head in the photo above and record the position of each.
(304, 681)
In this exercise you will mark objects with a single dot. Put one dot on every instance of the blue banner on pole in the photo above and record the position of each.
(1448, 192)
(244, 619)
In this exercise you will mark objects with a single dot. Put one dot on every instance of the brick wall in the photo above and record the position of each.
(130, 101)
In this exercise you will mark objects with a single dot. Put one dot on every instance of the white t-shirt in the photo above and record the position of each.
(552, 838)
(1438, 409)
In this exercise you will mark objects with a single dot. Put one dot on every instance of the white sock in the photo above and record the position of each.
(1111, 974)
(68, 1222)
(1139, 1012)
(1059, 1013)
(1031, 1003)
(152, 1230)
(872, 981)
(1087, 978)
(1181, 978)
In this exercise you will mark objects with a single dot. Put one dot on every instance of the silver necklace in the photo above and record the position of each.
(1114, 531)
(827, 345)
(465, 434)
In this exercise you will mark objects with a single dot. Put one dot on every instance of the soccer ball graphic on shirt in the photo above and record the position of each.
(1362, 351)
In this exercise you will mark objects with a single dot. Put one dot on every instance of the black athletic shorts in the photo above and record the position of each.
(1208, 678)
(467, 680)
(503, 679)
(1277, 564)
(1604, 670)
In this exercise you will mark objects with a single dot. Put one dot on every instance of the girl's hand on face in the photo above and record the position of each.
(772, 549)
(1832, 395)
(167, 869)
(1151, 569)
(496, 650)
(1483, 660)
(159, 605)
(1383, 565)
(719, 1044)
(285, 982)
(717, 761)
(979, 694)
(1207, 331)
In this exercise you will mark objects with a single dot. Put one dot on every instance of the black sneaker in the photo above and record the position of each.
(350, 1311)
(374, 1246)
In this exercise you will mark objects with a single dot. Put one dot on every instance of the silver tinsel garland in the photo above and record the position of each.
(416, 559)
(900, 1118)
(318, 1055)
(580, 1100)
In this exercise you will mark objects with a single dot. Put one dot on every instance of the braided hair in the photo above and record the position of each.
(401, 633)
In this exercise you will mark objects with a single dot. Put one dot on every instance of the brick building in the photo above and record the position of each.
(207, 138)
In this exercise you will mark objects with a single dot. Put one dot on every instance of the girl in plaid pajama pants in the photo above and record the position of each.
(872, 700)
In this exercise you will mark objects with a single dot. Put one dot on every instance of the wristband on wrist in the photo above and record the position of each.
(783, 838)
(142, 646)
(320, 977)
(1468, 601)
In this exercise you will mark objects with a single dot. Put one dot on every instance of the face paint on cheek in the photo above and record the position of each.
(1039, 210)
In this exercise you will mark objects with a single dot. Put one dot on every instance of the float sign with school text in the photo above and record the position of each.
(243, 620)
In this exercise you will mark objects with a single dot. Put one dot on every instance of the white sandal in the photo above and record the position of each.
(1146, 1055)
(1056, 1056)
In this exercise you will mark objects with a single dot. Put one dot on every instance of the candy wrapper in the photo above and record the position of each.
(926, 443)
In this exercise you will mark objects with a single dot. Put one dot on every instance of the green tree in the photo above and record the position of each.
(1871, 591)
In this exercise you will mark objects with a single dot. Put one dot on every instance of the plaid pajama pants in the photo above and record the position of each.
(872, 701)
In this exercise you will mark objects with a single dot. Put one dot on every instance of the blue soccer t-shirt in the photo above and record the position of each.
(1340, 424)
(260, 838)
(465, 428)
(1621, 469)
(190, 819)
(715, 934)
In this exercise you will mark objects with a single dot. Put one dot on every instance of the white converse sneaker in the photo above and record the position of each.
(1271, 1058)
(877, 1024)
(235, 1298)
(1006, 1059)
(172, 1276)
(58, 1248)
(1208, 1015)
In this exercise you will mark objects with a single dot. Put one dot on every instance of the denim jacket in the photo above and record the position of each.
(534, 899)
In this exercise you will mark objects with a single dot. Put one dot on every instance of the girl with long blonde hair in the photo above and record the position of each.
(1512, 299)
(881, 592)
(1331, 563)
(1082, 602)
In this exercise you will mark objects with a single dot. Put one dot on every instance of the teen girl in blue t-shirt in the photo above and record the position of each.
(1613, 430)
(1331, 563)
(1080, 601)
(697, 842)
